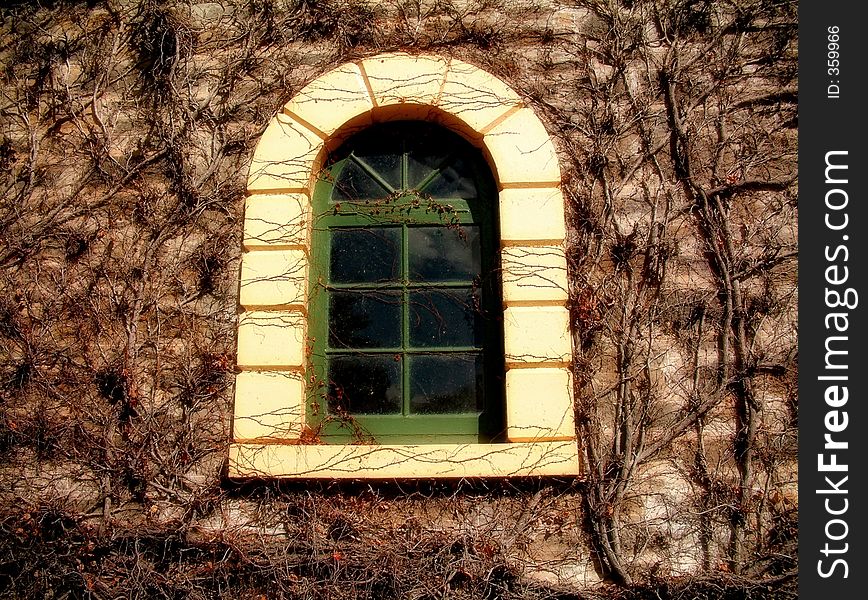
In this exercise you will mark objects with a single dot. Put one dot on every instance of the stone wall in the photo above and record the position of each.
(127, 129)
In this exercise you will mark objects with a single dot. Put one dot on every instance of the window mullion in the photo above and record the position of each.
(405, 280)
(405, 316)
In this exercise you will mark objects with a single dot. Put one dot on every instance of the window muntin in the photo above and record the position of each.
(405, 317)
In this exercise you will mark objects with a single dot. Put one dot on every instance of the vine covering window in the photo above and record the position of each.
(405, 313)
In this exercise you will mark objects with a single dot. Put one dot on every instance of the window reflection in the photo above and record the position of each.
(387, 166)
(421, 164)
(444, 318)
(365, 385)
(354, 183)
(446, 384)
(453, 181)
(367, 255)
(444, 253)
(365, 319)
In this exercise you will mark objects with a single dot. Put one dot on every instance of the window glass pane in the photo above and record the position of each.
(365, 385)
(453, 181)
(353, 183)
(365, 255)
(444, 318)
(387, 166)
(446, 384)
(444, 253)
(420, 164)
(365, 319)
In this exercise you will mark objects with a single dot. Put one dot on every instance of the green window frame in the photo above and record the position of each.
(405, 313)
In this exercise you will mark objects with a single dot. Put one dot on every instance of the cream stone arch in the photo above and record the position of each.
(269, 436)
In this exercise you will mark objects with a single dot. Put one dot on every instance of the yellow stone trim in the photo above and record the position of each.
(501, 118)
(475, 97)
(532, 214)
(367, 81)
(269, 406)
(279, 190)
(272, 340)
(533, 303)
(562, 438)
(531, 243)
(316, 130)
(276, 221)
(285, 158)
(550, 415)
(411, 462)
(523, 185)
(400, 78)
(332, 99)
(534, 274)
(522, 150)
(536, 334)
(273, 278)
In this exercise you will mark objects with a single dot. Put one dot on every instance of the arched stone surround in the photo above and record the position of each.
(269, 434)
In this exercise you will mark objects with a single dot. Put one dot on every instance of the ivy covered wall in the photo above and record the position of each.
(126, 129)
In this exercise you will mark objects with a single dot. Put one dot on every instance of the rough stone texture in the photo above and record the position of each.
(124, 154)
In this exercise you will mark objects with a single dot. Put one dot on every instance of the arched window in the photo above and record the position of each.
(405, 310)
(373, 341)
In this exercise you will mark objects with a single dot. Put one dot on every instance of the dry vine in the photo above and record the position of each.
(125, 131)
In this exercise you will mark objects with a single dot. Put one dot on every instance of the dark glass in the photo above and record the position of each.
(446, 384)
(365, 319)
(365, 385)
(366, 255)
(454, 181)
(444, 318)
(353, 183)
(420, 164)
(387, 166)
(444, 253)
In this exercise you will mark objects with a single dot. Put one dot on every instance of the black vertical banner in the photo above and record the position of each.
(833, 348)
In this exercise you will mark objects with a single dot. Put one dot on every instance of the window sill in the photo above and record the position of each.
(539, 458)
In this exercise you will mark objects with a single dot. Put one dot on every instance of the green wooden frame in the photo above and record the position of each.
(404, 209)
